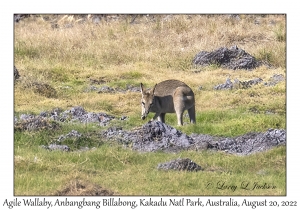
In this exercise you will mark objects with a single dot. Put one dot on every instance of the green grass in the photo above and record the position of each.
(120, 54)
(39, 172)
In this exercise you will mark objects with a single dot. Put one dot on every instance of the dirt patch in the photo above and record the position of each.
(83, 188)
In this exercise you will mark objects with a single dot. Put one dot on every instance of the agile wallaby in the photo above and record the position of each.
(169, 96)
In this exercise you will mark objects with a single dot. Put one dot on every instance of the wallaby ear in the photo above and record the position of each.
(153, 90)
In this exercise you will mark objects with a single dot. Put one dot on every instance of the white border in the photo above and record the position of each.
(217, 6)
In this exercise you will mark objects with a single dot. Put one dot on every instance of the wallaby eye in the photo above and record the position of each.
(143, 103)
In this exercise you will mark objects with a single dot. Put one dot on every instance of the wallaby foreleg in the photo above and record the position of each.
(161, 117)
(157, 114)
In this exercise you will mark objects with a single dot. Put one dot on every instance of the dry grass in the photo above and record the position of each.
(83, 188)
(119, 53)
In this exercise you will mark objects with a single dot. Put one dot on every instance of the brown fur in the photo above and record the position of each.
(169, 96)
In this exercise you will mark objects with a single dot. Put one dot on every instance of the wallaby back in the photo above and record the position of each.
(168, 87)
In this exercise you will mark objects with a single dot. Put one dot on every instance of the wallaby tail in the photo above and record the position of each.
(192, 114)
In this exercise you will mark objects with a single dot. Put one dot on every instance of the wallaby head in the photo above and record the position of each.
(147, 100)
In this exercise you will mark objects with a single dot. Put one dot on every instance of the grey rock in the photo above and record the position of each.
(106, 89)
(227, 85)
(72, 134)
(274, 80)
(50, 119)
(30, 122)
(52, 147)
(16, 73)
(180, 164)
(157, 136)
(232, 58)
(238, 84)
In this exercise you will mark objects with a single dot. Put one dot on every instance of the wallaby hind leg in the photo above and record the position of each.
(192, 114)
(179, 117)
(161, 117)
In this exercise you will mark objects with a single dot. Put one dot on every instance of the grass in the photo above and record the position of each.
(118, 54)
(39, 172)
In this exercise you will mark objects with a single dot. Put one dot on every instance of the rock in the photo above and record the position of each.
(157, 136)
(72, 134)
(49, 120)
(249, 83)
(251, 142)
(274, 80)
(124, 118)
(233, 58)
(106, 89)
(33, 123)
(238, 84)
(18, 17)
(79, 114)
(227, 85)
(52, 147)
(180, 164)
(16, 73)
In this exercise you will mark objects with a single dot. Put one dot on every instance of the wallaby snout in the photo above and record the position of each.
(169, 96)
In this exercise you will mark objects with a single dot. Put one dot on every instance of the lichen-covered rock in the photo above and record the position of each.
(251, 142)
(33, 123)
(157, 136)
(78, 114)
(276, 78)
(238, 84)
(50, 120)
(72, 134)
(232, 58)
(16, 73)
(180, 164)
(52, 147)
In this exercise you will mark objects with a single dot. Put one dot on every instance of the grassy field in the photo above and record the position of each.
(70, 55)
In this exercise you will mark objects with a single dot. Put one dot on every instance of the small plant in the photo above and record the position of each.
(265, 55)
(280, 34)
(106, 106)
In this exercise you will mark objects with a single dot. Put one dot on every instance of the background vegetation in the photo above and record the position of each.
(71, 53)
